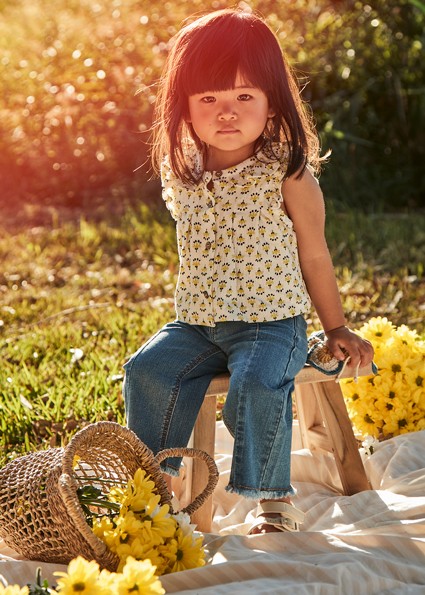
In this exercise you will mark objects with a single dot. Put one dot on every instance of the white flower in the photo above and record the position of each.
(77, 354)
(369, 445)
(183, 520)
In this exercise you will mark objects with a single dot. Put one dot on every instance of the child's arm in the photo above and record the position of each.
(303, 202)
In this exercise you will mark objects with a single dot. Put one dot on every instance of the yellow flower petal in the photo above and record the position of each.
(138, 577)
(190, 553)
(393, 401)
(13, 590)
(81, 576)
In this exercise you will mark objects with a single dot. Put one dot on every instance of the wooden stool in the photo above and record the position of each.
(324, 424)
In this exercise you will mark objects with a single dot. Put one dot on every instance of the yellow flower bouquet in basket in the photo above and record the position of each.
(393, 401)
(102, 497)
(136, 524)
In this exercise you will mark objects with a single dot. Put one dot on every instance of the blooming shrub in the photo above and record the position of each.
(393, 401)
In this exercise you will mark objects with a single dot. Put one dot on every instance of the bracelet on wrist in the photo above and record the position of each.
(337, 328)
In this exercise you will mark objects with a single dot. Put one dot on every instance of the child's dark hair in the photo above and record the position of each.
(206, 56)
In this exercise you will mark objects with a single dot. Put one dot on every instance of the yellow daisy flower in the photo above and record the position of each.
(138, 577)
(104, 528)
(390, 428)
(141, 551)
(420, 425)
(377, 330)
(168, 554)
(409, 337)
(396, 421)
(190, 553)
(415, 379)
(128, 526)
(124, 550)
(143, 483)
(158, 557)
(81, 577)
(139, 491)
(107, 581)
(13, 590)
(163, 524)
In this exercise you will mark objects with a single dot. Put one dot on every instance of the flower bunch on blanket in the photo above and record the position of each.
(136, 524)
(393, 401)
(86, 578)
(13, 590)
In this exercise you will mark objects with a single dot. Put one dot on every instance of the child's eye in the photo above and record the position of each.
(244, 97)
(208, 99)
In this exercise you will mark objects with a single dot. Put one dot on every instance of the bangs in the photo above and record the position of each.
(217, 73)
(211, 61)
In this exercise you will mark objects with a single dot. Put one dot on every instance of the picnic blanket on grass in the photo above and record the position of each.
(369, 543)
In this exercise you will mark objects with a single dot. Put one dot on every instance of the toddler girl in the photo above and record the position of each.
(237, 154)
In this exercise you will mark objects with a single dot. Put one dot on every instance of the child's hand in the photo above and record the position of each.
(343, 343)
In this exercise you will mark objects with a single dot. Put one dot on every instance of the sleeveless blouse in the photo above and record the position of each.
(237, 247)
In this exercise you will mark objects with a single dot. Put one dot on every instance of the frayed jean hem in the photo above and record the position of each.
(254, 494)
(170, 470)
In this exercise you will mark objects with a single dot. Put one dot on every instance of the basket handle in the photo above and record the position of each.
(212, 473)
(124, 438)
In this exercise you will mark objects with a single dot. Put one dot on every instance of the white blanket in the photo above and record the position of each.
(372, 542)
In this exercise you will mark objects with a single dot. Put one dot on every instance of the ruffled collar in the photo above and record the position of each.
(253, 165)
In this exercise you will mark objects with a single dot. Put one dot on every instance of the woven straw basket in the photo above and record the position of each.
(40, 514)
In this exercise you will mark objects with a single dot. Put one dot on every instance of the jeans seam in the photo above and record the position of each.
(175, 392)
(257, 327)
(289, 359)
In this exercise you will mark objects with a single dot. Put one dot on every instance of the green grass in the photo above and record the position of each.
(79, 295)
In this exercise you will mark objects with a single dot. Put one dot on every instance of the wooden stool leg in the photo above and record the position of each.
(340, 433)
(310, 419)
(204, 439)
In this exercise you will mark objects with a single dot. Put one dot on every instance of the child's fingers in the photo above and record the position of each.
(358, 353)
(361, 354)
(338, 351)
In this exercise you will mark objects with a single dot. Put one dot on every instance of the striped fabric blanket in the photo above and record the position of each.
(369, 543)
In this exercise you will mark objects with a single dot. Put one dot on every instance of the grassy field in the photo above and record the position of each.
(80, 294)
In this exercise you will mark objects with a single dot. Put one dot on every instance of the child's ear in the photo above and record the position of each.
(271, 113)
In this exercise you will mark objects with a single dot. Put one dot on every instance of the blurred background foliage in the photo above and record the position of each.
(78, 77)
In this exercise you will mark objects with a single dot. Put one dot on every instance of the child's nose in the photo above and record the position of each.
(227, 112)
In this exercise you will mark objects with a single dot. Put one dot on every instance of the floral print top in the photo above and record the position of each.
(237, 247)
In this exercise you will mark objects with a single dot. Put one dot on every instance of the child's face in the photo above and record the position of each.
(229, 122)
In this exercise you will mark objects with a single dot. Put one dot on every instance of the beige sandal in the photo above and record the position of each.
(289, 518)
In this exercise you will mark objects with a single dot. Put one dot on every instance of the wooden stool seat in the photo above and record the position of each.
(324, 424)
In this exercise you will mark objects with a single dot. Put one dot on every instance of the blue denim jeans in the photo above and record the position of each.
(166, 379)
